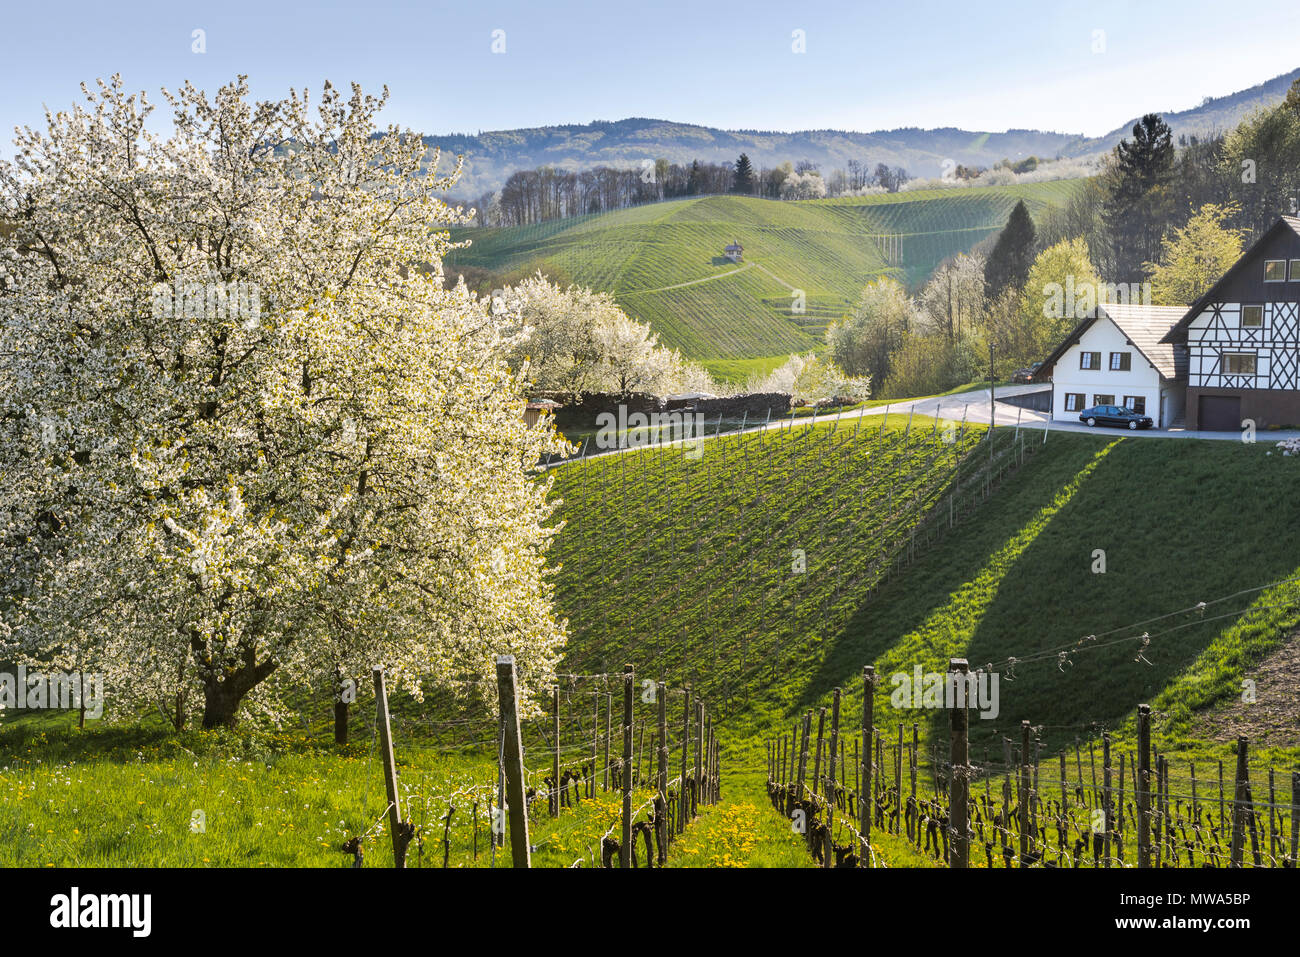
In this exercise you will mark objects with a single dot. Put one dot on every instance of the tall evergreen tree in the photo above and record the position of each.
(1139, 200)
(1013, 253)
(744, 181)
(694, 182)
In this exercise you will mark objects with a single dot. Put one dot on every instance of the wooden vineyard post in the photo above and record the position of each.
(513, 759)
(595, 745)
(625, 848)
(1143, 785)
(699, 758)
(865, 797)
(1064, 830)
(708, 759)
(640, 752)
(1105, 796)
(913, 762)
(1295, 819)
(555, 759)
(959, 761)
(1025, 797)
(1222, 815)
(395, 826)
(1118, 840)
(715, 775)
(898, 779)
(803, 755)
(817, 761)
(1272, 818)
(609, 711)
(828, 845)
(1239, 803)
(682, 801)
(661, 799)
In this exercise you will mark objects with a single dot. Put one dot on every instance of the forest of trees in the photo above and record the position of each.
(1174, 214)
(546, 193)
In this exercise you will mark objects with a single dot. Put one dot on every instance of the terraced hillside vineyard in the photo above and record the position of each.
(664, 262)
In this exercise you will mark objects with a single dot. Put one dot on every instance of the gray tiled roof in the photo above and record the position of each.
(1145, 326)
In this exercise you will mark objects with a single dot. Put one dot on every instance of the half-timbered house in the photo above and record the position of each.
(1243, 339)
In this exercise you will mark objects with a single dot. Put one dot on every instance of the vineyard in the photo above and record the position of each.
(762, 546)
(1132, 807)
(664, 262)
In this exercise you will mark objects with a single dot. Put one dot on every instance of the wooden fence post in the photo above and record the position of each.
(609, 730)
(865, 798)
(959, 770)
(1143, 783)
(1239, 803)
(513, 754)
(399, 832)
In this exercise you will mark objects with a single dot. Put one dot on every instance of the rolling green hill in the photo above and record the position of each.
(664, 263)
(685, 568)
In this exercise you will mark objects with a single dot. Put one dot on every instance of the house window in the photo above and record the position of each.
(1252, 316)
(1120, 361)
(1239, 363)
(1136, 403)
(1295, 271)
(1274, 270)
(1073, 401)
(1089, 360)
(1103, 400)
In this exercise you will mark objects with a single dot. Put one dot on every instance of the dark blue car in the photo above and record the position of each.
(1115, 415)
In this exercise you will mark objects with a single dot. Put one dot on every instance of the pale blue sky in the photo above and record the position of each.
(869, 65)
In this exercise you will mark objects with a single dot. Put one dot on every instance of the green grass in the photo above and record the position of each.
(694, 580)
(827, 248)
(119, 796)
(740, 370)
(687, 568)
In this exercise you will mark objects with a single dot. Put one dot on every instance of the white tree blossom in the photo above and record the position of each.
(245, 434)
(575, 340)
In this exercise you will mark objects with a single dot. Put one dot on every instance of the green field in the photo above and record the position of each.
(664, 262)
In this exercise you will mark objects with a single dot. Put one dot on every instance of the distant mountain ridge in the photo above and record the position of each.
(490, 157)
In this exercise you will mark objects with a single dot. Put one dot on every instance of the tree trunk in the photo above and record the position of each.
(220, 706)
(221, 699)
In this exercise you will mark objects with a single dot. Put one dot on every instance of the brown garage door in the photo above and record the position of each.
(1219, 413)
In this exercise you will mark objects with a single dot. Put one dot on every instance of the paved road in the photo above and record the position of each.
(975, 406)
